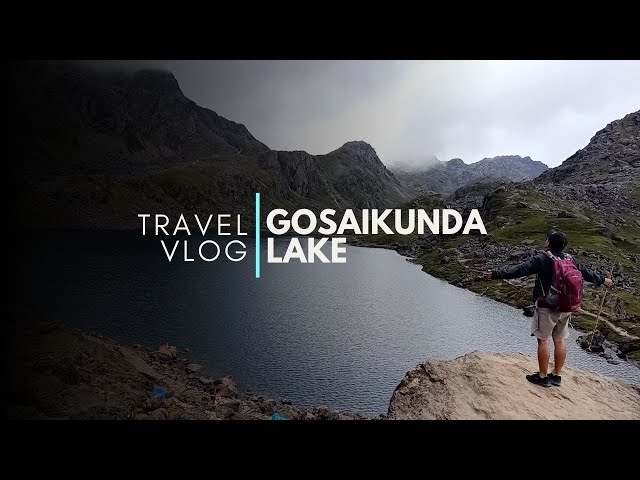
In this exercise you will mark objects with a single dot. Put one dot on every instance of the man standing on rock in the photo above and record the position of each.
(548, 323)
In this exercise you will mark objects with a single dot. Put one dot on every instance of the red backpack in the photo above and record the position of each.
(565, 294)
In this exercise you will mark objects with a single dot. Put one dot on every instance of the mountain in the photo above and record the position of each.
(613, 153)
(508, 167)
(446, 177)
(72, 119)
(603, 176)
(92, 149)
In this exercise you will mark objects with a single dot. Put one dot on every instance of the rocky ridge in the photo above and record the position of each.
(603, 176)
(446, 177)
(92, 149)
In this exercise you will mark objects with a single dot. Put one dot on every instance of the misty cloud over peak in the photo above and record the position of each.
(414, 111)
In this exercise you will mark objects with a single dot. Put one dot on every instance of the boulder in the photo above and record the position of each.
(268, 407)
(159, 414)
(232, 403)
(593, 342)
(565, 214)
(167, 352)
(501, 221)
(224, 412)
(618, 308)
(226, 387)
(153, 403)
(194, 368)
(174, 402)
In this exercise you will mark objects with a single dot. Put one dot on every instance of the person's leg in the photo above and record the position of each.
(541, 328)
(559, 355)
(560, 333)
(543, 357)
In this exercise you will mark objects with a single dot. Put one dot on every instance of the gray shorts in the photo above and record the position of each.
(547, 323)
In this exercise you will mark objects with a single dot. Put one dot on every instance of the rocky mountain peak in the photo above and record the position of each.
(362, 152)
(613, 152)
(456, 163)
(603, 176)
(446, 177)
(161, 81)
(114, 121)
(358, 147)
(509, 158)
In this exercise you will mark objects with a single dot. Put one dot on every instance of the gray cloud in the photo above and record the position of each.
(411, 110)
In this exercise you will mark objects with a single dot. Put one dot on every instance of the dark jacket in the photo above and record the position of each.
(543, 266)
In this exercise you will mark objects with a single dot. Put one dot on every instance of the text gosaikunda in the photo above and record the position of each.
(303, 222)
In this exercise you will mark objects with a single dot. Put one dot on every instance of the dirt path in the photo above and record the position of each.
(614, 327)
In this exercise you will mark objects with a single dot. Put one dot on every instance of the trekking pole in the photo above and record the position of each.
(604, 295)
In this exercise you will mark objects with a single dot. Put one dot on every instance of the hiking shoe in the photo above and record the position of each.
(555, 379)
(536, 379)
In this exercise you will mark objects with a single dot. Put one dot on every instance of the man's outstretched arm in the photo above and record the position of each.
(593, 277)
(523, 269)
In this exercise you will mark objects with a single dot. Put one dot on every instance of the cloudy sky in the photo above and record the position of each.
(411, 110)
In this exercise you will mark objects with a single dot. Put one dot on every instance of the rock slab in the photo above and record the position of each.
(493, 386)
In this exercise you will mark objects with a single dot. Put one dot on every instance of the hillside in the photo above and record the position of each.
(493, 387)
(446, 177)
(92, 149)
(603, 176)
(612, 153)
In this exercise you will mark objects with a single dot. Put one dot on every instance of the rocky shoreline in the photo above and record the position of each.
(62, 373)
(59, 373)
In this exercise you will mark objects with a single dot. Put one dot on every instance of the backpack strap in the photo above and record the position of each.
(549, 255)
(544, 294)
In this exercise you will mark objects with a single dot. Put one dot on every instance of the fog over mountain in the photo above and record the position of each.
(412, 110)
(446, 177)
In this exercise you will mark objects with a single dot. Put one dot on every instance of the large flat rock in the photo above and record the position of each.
(493, 386)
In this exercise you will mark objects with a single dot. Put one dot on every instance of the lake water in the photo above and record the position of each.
(342, 335)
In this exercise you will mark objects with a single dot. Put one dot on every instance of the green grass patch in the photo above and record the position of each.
(581, 233)
(433, 264)
(503, 292)
(631, 302)
(635, 355)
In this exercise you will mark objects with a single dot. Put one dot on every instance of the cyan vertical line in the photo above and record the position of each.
(257, 234)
